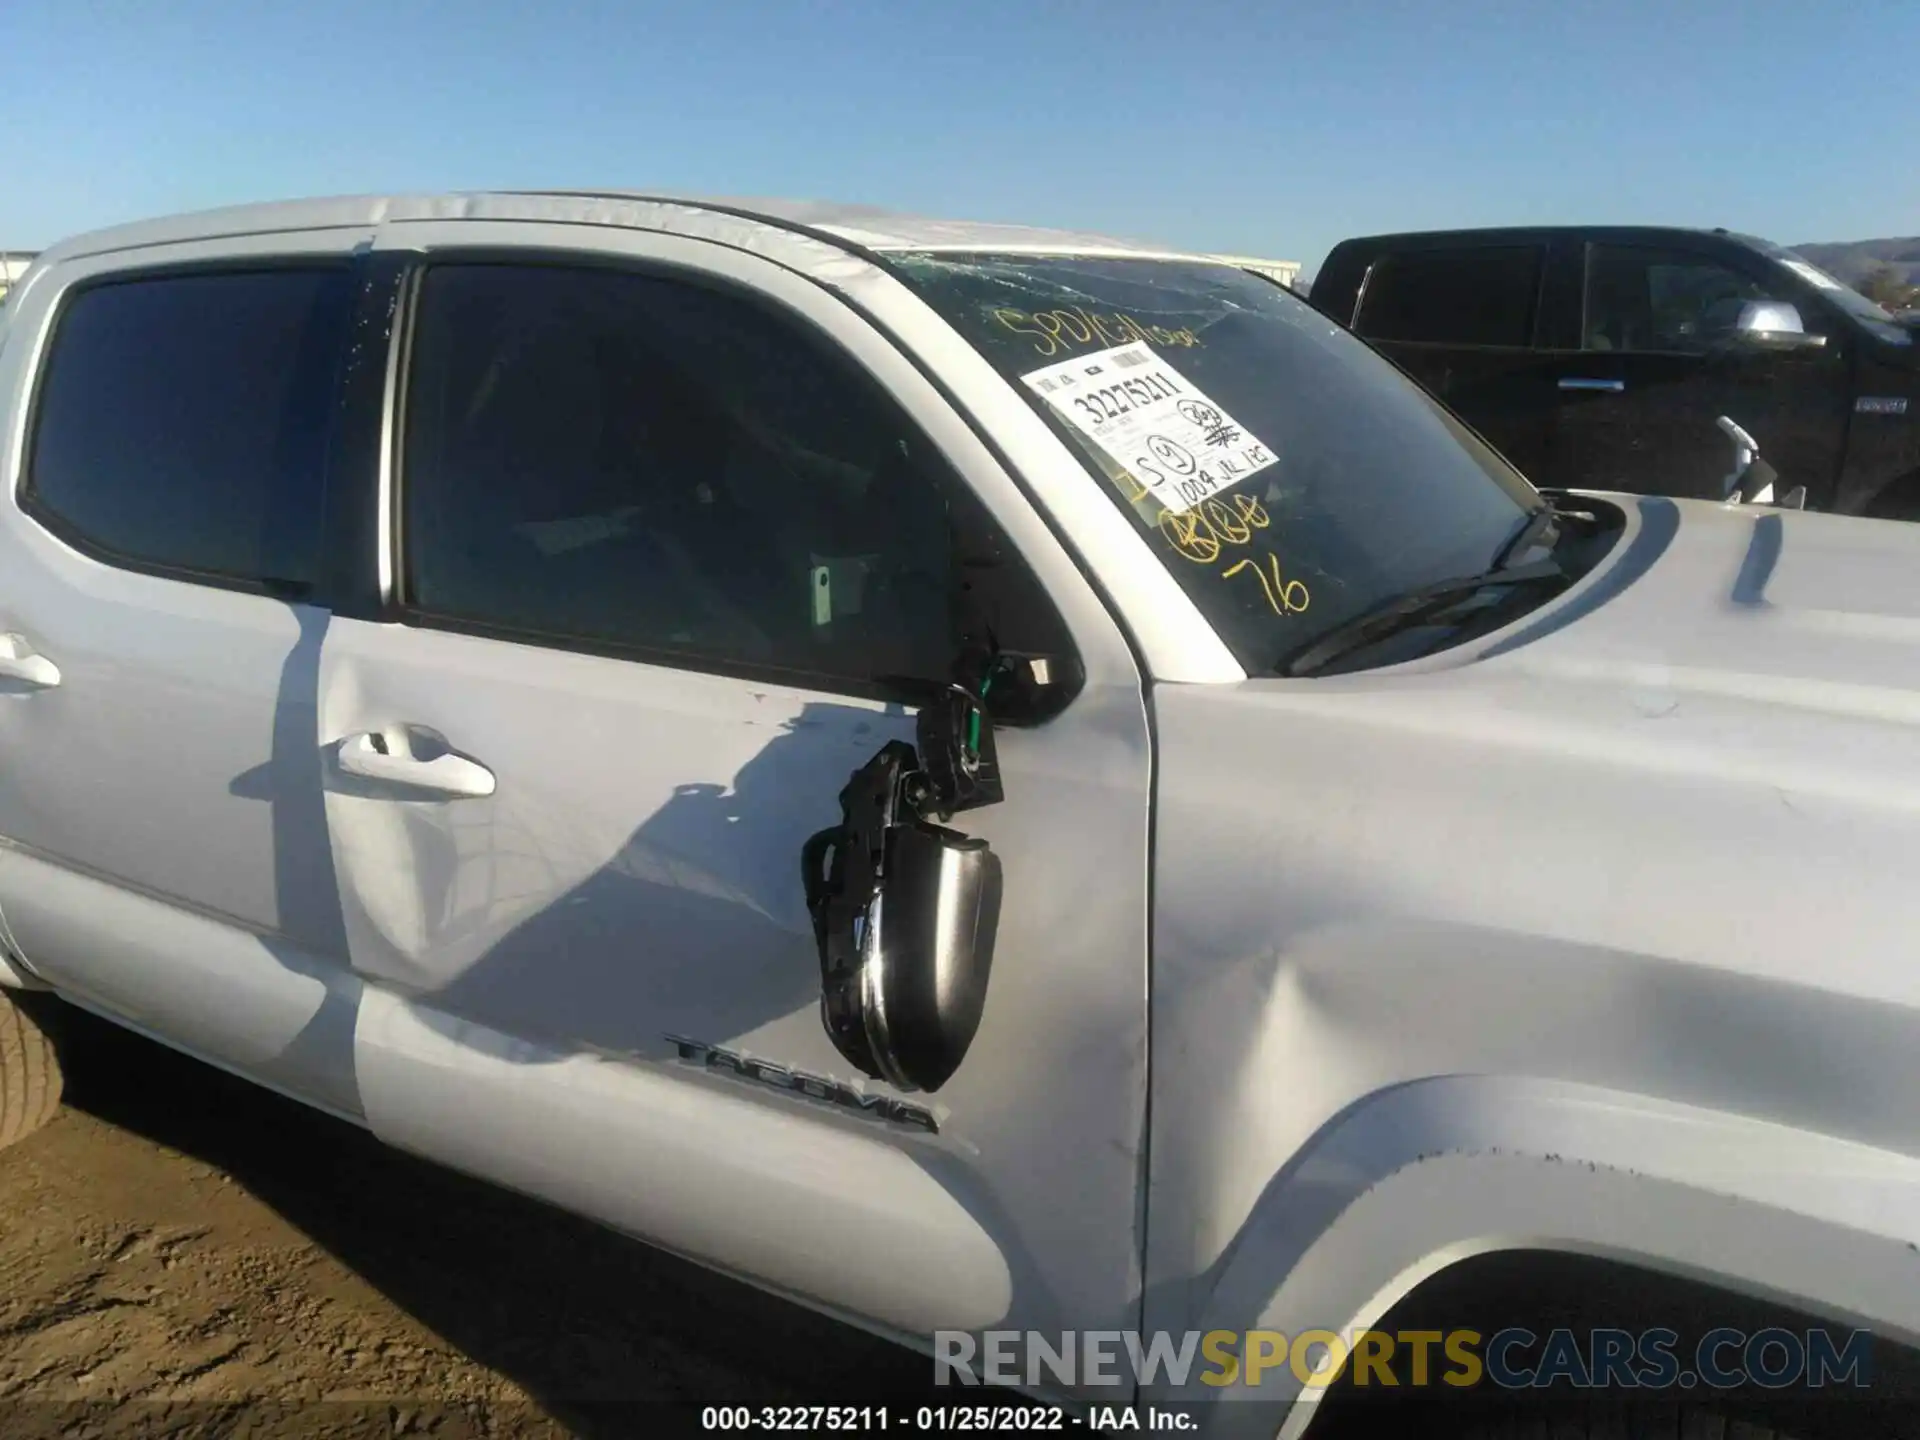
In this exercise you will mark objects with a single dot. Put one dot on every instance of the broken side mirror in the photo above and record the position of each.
(905, 910)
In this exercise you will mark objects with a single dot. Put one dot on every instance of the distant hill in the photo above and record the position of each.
(1854, 260)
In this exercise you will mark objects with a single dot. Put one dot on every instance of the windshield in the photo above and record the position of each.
(1838, 291)
(1875, 317)
(1287, 475)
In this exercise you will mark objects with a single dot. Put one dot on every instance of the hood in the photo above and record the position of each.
(1707, 751)
(1898, 342)
(1752, 609)
(1767, 635)
(1767, 647)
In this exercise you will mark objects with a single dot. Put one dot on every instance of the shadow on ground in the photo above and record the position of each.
(585, 1321)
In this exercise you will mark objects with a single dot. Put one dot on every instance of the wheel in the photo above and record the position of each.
(29, 1073)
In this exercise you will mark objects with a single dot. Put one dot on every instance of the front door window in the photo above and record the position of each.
(1671, 301)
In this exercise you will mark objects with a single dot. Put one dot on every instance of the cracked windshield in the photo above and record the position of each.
(1216, 407)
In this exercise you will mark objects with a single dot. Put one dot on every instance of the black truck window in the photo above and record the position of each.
(1483, 295)
(1650, 299)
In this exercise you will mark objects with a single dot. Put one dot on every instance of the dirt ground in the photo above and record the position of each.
(184, 1254)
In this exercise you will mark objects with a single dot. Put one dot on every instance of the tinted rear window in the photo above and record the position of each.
(182, 420)
(1479, 296)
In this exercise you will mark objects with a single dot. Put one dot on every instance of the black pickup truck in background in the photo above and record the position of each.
(1605, 357)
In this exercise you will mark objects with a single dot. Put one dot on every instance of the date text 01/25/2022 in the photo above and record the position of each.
(940, 1419)
(1152, 422)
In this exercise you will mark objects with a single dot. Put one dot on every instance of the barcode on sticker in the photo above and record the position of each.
(1126, 361)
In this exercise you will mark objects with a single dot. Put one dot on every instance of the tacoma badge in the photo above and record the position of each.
(798, 1082)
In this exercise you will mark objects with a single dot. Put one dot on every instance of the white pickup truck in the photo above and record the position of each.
(977, 778)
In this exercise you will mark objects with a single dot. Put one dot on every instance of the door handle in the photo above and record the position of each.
(389, 759)
(20, 661)
(1577, 382)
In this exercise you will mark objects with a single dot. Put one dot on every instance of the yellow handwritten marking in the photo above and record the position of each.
(1013, 320)
(1096, 327)
(1075, 324)
(1223, 522)
(1287, 597)
(1199, 534)
(1184, 533)
(1081, 326)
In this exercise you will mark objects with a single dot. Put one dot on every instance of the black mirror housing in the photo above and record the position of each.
(932, 927)
(905, 911)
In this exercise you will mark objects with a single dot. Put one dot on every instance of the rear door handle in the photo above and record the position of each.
(1578, 382)
(388, 757)
(20, 661)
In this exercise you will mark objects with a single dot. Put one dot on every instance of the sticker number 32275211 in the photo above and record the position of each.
(1153, 422)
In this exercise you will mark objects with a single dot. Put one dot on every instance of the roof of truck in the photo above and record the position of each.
(1514, 233)
(850, 226)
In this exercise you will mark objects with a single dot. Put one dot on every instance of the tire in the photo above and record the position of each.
(29, 1073)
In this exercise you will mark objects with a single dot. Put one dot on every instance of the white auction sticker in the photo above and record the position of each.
(1154, 423)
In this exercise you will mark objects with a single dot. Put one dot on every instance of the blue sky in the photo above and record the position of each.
(1267, 129)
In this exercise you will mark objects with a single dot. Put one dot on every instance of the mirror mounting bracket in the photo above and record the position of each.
(960, 764)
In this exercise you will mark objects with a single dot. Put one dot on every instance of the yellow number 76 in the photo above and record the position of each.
(1287, 597)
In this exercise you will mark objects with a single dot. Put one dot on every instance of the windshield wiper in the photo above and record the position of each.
(1542, 527)
(1416, 607)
